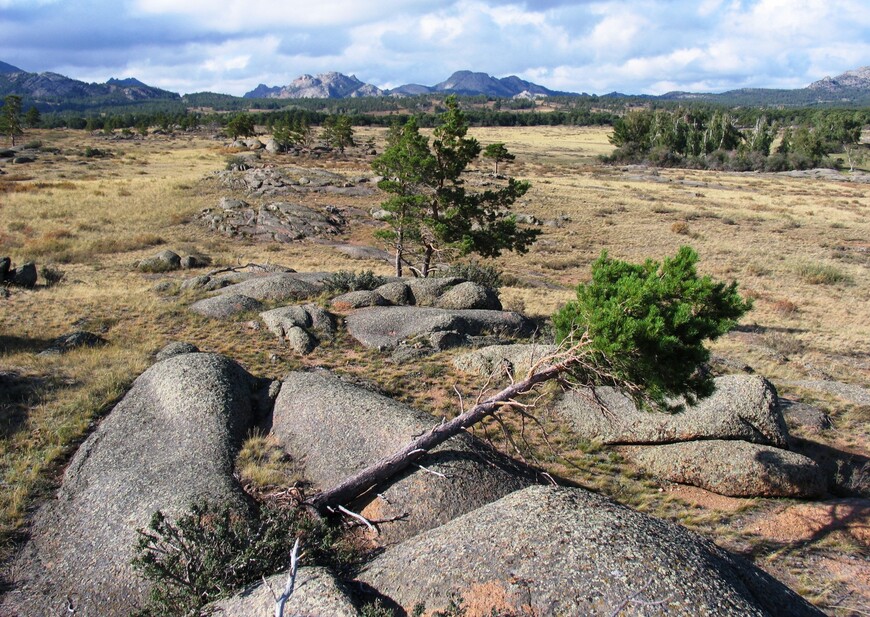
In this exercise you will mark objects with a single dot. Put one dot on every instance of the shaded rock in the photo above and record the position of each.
(469, 295)
(74, 340)
(426, 291)
(292, 323)
(195, 261)
(5, 265)
(280, 319)
(386, 327)
(742, 407)
(197, 282)
(299, 340)
(165, 287)
(317, 594)
(337, 428)
(225, 306)
(23, 276)
(281, 286)
(358, 299)
(808, 416)
(171, 441)
(564, 551)
(518, 358)
(733, 468)
(19, 160)
(164, 261)
(448, 340)
(396, 293)
(175, 348)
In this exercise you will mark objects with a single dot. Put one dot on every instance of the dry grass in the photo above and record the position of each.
(97, 216)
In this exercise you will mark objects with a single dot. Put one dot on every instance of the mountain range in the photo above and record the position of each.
(56, 91)
(336, 85)
(52, 91)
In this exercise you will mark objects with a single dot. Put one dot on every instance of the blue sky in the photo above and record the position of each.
(633, 46)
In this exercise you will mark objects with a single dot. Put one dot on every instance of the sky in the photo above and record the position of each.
(630, 46)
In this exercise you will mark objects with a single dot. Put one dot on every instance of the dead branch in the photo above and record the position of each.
(281, 600)
(577, 355)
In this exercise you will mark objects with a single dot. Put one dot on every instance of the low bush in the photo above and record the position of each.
(483, 274)
(822, 274)
(345, 280)
(212, 551)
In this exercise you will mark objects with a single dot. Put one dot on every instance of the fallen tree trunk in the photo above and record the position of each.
(388, 467)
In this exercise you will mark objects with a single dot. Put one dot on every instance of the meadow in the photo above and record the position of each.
(91, 205)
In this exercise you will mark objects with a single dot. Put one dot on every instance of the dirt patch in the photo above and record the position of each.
(700, 498)
(808, 522)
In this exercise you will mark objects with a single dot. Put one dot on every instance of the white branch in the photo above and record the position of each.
(291, 581)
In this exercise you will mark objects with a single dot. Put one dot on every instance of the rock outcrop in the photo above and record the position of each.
(388, 326)
(336, 429)
(564, 551)
(280, 221)
(742, 407)
(171, 441)
(518, 358)
(303, 327)
(316, 594)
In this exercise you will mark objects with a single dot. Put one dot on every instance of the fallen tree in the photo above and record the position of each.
(643, 332)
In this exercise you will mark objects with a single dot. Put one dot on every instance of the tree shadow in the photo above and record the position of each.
(848, 473)
(18, 394)
(17, 344)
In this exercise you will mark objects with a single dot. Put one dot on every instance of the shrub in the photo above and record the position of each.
(212, 550)
(680, 227)
(91, 153)
(238, 163)
(648, 323)
(50, 275)
(822, 274)
(344, 281)
(486, 275)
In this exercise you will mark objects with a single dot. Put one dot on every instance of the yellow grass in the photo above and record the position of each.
(94, 218)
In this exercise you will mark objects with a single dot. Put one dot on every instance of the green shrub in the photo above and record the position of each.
(648, 323)
(345, 280)
(212, 551)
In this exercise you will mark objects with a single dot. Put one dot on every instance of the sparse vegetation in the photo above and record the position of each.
(344, 281)
(822, 274)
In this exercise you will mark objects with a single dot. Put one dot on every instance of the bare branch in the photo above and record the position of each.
(291, 581)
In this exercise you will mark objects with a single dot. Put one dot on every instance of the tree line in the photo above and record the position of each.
(716, 139)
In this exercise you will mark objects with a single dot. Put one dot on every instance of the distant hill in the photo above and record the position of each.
(8, 68)
(337, 85)
(324, 86)
(53, 91)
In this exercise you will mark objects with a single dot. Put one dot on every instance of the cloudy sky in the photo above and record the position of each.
(633, 46)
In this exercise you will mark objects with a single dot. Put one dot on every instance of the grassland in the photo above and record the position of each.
(798, 246)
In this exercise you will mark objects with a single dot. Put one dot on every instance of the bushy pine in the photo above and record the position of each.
(649, 322)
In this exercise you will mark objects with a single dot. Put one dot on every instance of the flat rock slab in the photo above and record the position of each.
(170, 441)
(317, 594)
(733, 468)
(225, 306)
(386, 327)
(564, 551)
(336, 429)
(282, 286)
(742, 407)
(518, 358)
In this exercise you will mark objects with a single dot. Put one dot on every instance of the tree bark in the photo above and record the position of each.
(387, 467)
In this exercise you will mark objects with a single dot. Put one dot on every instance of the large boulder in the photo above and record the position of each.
(336, 429)
(170, 441)
(225, 306)
(426, 291)
(742, 407)
(358, 299)
(564, 551)
(316, 594)
(734, 468)
(518, 358)
(386, 327)
(279, 287)
(469, 295)
(280, 221)
(23, 276)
